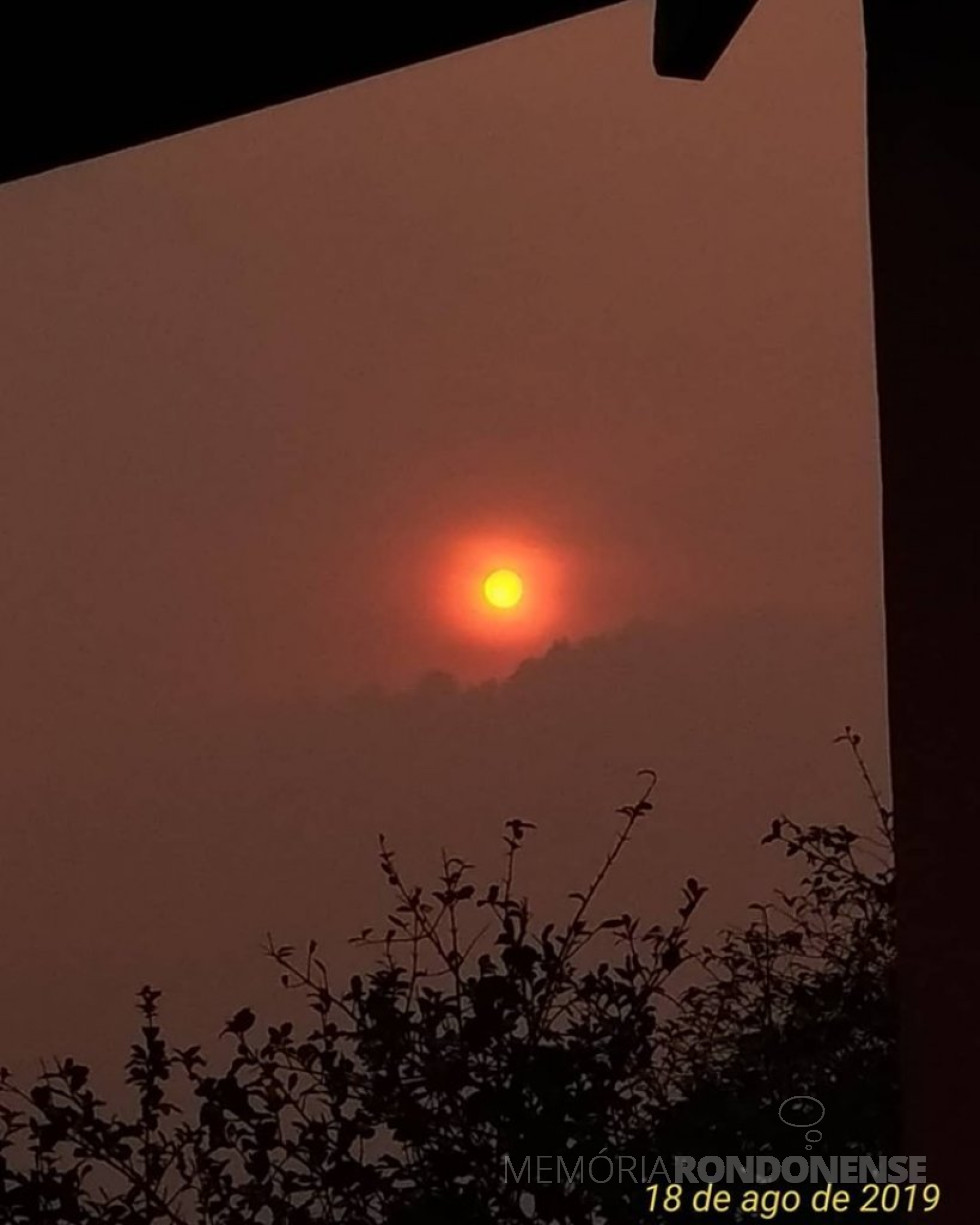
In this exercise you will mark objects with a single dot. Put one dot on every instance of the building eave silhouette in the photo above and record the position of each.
(87, 82)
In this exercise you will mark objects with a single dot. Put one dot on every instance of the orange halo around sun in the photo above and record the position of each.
(502, 588)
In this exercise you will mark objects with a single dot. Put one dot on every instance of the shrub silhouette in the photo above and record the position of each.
(480, 1038)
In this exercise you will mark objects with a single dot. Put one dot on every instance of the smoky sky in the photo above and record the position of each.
(257, 380)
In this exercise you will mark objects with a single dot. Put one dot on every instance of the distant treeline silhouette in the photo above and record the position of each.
(481, 1045)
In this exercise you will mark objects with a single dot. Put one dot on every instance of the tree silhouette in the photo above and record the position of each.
(482, 1046)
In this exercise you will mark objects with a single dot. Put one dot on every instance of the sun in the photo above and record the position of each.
(503, 589)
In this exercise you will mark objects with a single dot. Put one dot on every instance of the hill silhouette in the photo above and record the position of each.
(170, 847)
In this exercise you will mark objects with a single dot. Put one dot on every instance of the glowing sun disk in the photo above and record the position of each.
(503, 588)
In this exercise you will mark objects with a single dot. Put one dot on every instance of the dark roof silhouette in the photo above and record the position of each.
(89, 81)
(691, 36)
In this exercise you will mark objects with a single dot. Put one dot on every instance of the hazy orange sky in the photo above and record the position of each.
(264, 383)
